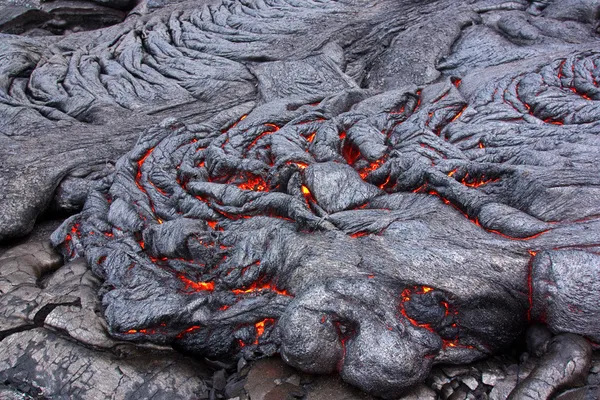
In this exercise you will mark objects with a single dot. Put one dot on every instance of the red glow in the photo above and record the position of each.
(342, 135)
(274, 128)
(405, 296)
(454, 343)
(513, 238)
(550, 121)
(384, 184)
(457, 116)
(255, 183)
(196, 286)
(140, 163)
(300, 165)
(243, 117)
(359, 234)
(456, 82)
(350, 152)
(260, 327)
(257, 288)
(188, 330)
(475, 183)
(400, 111)
(421, 188)
(212, 224)
(372, 167)
(146, 331)
(530, 284)
(560, 69)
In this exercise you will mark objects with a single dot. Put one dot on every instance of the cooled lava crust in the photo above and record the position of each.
(372, 187)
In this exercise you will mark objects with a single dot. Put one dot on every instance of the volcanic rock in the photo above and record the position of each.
(369, 188)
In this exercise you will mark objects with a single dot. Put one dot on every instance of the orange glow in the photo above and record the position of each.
(308, 197)
(138, 178)
(420, 189)
(257, 288)
(311, 137)
(457, 116)
(212, 224)
(359, 234)
(384, 184)
(475, 183)
(454, 343)
(372, 167)
(260, 327)
(406, 296)
(300, 165)
(243, 117)
(188, 330)
(513, 238)
(551, 121)
(560, 68)
(400, 111)
(140, 163)
(350, 152)
(254, 183)
(262, 135)
(451, 173)
(196, 286)
(418, 93)
(148, 331)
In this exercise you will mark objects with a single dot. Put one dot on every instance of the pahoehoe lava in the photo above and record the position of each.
(367, 187)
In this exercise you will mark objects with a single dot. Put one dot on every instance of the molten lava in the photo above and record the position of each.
(196, 286)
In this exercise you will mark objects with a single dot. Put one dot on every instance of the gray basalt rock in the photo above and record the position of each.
(309, 179)
(55, 342)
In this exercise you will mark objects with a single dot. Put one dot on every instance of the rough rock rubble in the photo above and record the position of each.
(368, 188)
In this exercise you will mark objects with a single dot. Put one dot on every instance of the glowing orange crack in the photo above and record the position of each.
(196, 286)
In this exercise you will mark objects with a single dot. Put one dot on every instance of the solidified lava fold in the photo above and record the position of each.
(364, 187)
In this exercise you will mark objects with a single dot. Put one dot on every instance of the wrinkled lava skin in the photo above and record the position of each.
(361, 207)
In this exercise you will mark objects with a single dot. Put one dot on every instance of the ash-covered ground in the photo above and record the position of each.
(370, 189)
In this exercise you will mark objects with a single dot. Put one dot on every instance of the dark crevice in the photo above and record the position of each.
(38, 319)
